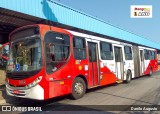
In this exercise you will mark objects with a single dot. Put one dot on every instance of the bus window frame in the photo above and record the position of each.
(45, 53)
(130, 48)
(146, 54)
(111, 45)
(84, 48)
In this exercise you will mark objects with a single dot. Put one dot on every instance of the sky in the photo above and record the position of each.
(117, 12)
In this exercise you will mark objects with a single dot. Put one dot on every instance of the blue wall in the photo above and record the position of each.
(51, 10)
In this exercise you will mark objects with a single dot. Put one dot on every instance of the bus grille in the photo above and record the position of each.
(17, 76)
(21, 75)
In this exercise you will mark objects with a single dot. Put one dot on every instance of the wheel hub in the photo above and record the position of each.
(78, 88)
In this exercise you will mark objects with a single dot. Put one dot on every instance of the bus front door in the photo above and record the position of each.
(93, 64)
(119, 62)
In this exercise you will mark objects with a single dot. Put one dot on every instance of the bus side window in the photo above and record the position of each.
(128, 52)
(155, 55)
(106, 51)
(79, 47)
(152, 55)
(149, 54)
(146, 54)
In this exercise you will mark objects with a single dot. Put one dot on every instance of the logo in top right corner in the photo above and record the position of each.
(141, 11)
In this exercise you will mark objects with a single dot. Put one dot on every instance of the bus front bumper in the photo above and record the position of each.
(36, 92)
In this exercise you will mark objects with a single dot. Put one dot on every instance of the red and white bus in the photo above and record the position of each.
(46, 62)
(4, 50)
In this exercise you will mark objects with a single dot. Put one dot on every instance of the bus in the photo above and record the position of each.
(4, 50)
(47, 61)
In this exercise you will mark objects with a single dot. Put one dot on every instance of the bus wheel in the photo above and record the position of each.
(78, 88)
(128, 77)
(1, 63)
(150, 72)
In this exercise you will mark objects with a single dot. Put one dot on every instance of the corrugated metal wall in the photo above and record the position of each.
(51, 10)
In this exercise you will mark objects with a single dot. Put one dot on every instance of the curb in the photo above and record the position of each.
(2, 85)
(2, 101)
(5, 101)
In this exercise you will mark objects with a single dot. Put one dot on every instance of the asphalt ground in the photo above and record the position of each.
(143, 91)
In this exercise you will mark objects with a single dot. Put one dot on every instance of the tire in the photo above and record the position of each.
(128, 77)
(150, 72)
(78, 88)
(1, 63)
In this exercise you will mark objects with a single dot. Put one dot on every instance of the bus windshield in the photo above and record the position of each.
(25, 55)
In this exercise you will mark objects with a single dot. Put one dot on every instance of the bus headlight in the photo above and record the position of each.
(34, 83)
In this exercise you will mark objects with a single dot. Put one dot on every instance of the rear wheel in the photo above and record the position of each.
(1, 62)
(128, 77)
(150, 72)
(78, 88)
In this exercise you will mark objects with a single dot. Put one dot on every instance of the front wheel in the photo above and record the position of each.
(128, 77)
(1, 63)
(78, 88)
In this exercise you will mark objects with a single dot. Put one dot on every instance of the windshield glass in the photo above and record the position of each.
(5, 50)
(25, 55)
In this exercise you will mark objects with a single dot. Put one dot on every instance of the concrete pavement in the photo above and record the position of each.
(4, 98)
(144, 91)
(2, 86)
(2, 92)
(2, 76)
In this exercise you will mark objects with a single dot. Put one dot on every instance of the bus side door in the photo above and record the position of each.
(119, 66)
(93, 63)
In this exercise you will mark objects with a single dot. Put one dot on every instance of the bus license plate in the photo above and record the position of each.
(16, 91)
